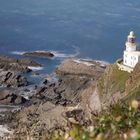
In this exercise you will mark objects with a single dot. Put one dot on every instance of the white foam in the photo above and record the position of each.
(65, 55)
(35, 68)
(18, 52)
(103, 62)
(83, 62)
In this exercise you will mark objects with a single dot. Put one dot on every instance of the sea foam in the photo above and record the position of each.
(18, 52)
(35, 68)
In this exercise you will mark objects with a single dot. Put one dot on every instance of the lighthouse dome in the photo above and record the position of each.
(132, 33)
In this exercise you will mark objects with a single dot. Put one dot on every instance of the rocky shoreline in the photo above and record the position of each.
(12, 70)
(52, 103)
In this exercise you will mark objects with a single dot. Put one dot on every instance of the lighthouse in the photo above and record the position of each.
(131, 55)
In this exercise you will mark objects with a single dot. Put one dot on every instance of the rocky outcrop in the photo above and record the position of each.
(108, 89)
(46, 117)
(9, 98)
(41, 54)
(17, 65)
(11, 79)
(81, 67)
(74, 97)
(65, 91)
(14, 67)
(28, 62)
(11, 70)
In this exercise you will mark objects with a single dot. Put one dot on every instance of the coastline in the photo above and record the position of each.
(62, 92)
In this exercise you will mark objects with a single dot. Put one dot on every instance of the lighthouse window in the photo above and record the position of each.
(131, 40)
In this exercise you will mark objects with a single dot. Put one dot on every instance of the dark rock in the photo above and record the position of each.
(19, 100)
(74, 113)
(11, 79)
(64, 91)
(9, 98)
(39, 54)
(18, 65)
(45, 82)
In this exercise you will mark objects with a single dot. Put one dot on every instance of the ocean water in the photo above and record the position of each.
(91, 29)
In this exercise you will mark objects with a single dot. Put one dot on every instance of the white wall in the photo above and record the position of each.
(129, 59)
(130, 48)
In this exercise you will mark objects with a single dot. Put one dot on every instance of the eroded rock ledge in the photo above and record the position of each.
(81, 68)
(19, 65)
(11, 70)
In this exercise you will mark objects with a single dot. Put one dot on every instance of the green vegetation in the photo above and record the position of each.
(118, 79)
(113, 80)
(121, 123)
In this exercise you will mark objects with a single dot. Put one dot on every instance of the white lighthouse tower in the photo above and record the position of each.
(131, 55)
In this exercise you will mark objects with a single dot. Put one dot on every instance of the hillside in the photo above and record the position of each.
(76, 103)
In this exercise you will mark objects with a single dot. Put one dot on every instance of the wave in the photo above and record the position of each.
(18, 52)
(66, 55)
(113, 14)
(103, 62)
(100, 61)
(35, 68)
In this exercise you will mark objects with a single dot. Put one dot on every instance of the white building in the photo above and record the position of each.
(131, 55)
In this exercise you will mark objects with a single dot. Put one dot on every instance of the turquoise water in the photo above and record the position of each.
(94, 29)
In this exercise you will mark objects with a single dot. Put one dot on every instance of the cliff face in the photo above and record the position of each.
(132, 86)
(114, 85)
(75, 96)
(107, 87)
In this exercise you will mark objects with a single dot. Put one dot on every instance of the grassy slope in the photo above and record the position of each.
(113, 80)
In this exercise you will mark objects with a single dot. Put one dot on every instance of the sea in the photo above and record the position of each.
(84, 29)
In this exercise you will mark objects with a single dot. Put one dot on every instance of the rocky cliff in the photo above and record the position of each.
(83, 89)
(113, 86)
